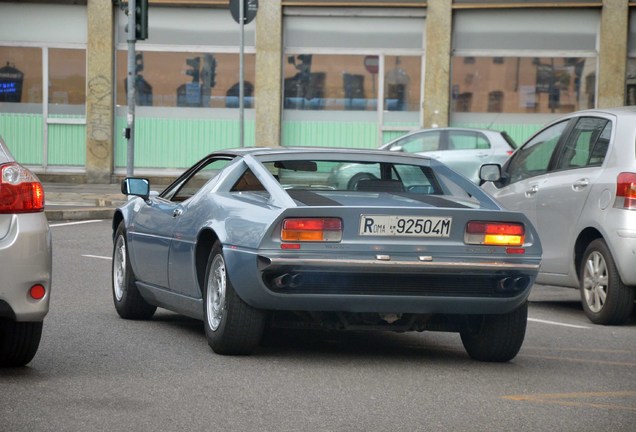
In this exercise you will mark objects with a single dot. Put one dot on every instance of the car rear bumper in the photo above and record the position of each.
(369, 285)
(25, 260)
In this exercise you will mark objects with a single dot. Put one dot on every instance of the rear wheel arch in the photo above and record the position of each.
(584, 239)
(205, 242)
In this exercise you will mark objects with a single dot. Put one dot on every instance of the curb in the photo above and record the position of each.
(75, 214)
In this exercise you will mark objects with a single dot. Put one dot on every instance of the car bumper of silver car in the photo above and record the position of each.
(25, 260)
(420, 285)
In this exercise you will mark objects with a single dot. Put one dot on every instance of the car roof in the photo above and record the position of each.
(315, 152)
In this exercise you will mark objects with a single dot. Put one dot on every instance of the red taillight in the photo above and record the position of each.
(495, 233)
(312, 229)
(626, 191)
(20, 190)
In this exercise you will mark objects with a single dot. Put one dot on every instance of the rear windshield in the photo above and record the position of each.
(388, 177)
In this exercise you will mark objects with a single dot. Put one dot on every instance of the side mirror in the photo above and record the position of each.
(136, 186)
(490, 172)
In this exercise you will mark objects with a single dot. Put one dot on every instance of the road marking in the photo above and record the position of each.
(574, 399)
(75, 223)
(97, 256)
(558, 323)
(580, 360)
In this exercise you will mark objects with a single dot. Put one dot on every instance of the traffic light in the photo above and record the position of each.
(195, 64)
(139, 62)
(141, 19)
(208, 71)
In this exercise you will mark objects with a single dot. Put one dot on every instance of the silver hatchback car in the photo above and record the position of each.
(575, 179)
(25, 261)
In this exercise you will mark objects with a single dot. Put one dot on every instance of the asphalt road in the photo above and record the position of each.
(97, 372)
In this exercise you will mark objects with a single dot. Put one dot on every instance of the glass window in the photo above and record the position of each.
(584, 145)
(191, 183)
(534, 158)
(67, 81)
(422, 142)
(185, 79)
(630, 79)
(524, 85)
(20, 79)
(465, 140)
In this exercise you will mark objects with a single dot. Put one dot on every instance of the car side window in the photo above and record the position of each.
(464, 140)
(534, 157)
(191, 183)
(418, 143)
(580, 149)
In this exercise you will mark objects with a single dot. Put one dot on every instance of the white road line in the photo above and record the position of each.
(558, 323)
(75, 223)
(98, 257)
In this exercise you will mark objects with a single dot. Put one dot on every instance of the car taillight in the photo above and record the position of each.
(626, 191)
(312, 230)
(495, 233)
(20, 190)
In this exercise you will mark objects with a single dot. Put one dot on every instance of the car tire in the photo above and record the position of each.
(606, 300)
(495, 338)
(232, 327)
(19, 341)
(129, 303)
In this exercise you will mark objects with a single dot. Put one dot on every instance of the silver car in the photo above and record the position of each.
(254, 238)
(576, 181)
(462, 149)
(25, 261)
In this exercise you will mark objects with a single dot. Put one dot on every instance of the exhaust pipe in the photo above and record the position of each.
(288, 280)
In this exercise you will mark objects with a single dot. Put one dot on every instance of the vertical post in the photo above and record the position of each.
(131, 81)
(241, 74)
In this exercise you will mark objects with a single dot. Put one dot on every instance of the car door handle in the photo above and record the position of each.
(581, 184)
(177, 212)
(533, 190)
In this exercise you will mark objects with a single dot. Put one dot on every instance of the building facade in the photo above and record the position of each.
(318, 73)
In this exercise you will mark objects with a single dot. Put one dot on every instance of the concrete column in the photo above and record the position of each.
(613, 53)
(268, 86)
(439, 15)
(99, 91)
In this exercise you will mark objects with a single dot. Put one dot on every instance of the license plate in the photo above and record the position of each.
(386, 225)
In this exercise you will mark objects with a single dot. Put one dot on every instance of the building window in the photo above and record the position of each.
(67, 81)
(495, 101)
(20, 77)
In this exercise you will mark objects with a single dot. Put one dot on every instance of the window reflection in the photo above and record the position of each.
(350, 82)
(185, 79)
(20, 76)
(67, 81)
(523, 84)
(630, 82)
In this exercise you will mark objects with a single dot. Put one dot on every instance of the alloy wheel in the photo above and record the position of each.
(595, 282)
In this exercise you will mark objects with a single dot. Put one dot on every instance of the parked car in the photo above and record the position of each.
(25, 261)
(462, 149)
(575, 179)
(255, 237)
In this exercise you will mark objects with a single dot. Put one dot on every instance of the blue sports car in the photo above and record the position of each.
(258, 238)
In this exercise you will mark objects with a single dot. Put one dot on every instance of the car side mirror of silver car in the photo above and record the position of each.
(490, 172)
(136, 186)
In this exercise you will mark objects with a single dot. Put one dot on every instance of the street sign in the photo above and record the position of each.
(371, 64)
(250, 7)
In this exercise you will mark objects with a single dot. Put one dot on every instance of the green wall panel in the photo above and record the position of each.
(67, 144)
(178, 143)
(329, 134)
(24, 134)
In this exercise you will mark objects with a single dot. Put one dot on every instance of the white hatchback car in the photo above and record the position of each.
(462, 149)
(575, 179)
(25, 261)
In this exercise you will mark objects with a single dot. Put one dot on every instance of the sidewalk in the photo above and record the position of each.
(69, 201)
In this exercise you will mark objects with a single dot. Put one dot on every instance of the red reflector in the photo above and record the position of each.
(290, 246)
(515, 251)
(37, 292)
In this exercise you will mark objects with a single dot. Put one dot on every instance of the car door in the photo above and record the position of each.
(526, 171)
(562, 194)
(466, 151)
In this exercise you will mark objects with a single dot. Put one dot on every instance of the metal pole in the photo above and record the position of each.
(241, 73)
(131, 81)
